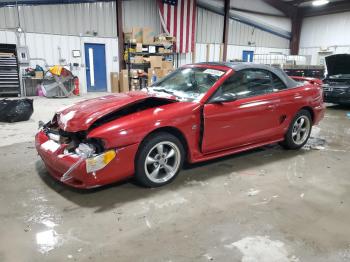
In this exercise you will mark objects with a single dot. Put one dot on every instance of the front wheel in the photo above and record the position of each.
(299, 131)
(159, 160)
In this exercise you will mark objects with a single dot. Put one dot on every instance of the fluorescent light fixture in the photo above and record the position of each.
(320, 2)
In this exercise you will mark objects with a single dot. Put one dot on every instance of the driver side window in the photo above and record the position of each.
(248, 83)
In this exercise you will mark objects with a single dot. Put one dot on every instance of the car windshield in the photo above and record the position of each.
(188, 84)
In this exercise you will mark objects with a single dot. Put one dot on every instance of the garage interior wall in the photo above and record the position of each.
(241, 37)
(210, 29)
(325, 35)
(51, 31)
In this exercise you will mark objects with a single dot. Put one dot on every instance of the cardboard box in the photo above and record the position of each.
(160, 73)
(156, 61)
(148, 35)
(124, 81)
(134, 34)
(39, 74)
(138, 59)
(167, 65)
(114, 82)
(139, 47)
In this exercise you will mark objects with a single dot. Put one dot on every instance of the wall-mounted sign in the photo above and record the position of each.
(76, 53)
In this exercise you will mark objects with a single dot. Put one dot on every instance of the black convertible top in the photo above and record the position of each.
(237, 66)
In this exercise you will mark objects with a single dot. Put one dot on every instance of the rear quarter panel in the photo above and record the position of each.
(292, 100)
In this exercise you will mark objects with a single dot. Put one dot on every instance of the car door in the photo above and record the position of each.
(250, 119)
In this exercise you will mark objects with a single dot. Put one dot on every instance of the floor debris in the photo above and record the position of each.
(262, 249)
(253, 192)
(315, 143)
(208, 257)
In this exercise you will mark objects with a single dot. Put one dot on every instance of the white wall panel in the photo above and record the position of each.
(242, 34)
(273, 21)
(141, 13)
(210, 27)
(234, 52)
(47, 46)
(327, 32)
(65, 19)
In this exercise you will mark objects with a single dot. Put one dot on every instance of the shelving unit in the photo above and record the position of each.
(145, 66)
(9, 72)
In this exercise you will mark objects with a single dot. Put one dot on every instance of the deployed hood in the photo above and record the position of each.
(338, 64)
(82, 115)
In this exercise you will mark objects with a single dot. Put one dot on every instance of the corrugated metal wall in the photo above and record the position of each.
(142, 13)
(47, 46)
(327, 32)
(66, 19)
(242, 34)
(211, 25)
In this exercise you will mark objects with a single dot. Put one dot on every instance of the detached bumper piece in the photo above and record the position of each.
(85, 169)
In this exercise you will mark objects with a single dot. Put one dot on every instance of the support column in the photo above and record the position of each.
(119, 11)
(297, 20)
(226, 28)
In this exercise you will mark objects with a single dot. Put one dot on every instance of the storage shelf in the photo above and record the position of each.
(144, 66)
(134, 44)
(151, 54)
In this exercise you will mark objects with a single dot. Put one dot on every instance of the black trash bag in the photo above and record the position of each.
(16, 110)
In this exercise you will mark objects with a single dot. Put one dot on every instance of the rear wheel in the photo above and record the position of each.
(159, 160)
(299, 131)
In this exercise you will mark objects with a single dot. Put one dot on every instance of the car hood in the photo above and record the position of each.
(338, 64)
(82, 115)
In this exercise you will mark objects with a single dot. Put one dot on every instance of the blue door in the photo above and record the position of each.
(95, 63)
(248, 56)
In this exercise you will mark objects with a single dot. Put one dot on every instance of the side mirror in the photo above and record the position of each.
(224, 98)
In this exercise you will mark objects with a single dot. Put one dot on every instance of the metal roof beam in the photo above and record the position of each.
(284, 7)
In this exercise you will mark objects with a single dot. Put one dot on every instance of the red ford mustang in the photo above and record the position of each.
(198, 112)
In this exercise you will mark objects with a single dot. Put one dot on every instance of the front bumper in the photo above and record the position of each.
(57, 163)
(337, 97)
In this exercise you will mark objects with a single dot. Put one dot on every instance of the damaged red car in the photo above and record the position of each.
(196, 113)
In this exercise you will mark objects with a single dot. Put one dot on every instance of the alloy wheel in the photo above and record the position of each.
(162, 162)
(301, 129)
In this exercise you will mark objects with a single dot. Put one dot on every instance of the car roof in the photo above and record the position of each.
(238, 66)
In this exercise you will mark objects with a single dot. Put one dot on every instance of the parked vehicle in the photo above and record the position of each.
(198, 112)
(336, 85)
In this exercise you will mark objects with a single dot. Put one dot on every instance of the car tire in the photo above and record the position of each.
(159, 160)
(299, 131)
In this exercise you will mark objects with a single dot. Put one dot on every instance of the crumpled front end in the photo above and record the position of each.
(80, 162)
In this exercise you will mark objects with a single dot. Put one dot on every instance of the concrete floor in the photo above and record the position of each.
(261, 206)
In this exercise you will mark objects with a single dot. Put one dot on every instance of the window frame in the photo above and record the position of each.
(237, 73)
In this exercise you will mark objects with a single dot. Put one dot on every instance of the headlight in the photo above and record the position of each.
(100, 161)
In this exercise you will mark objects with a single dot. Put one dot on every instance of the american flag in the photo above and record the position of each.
(178, 18)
